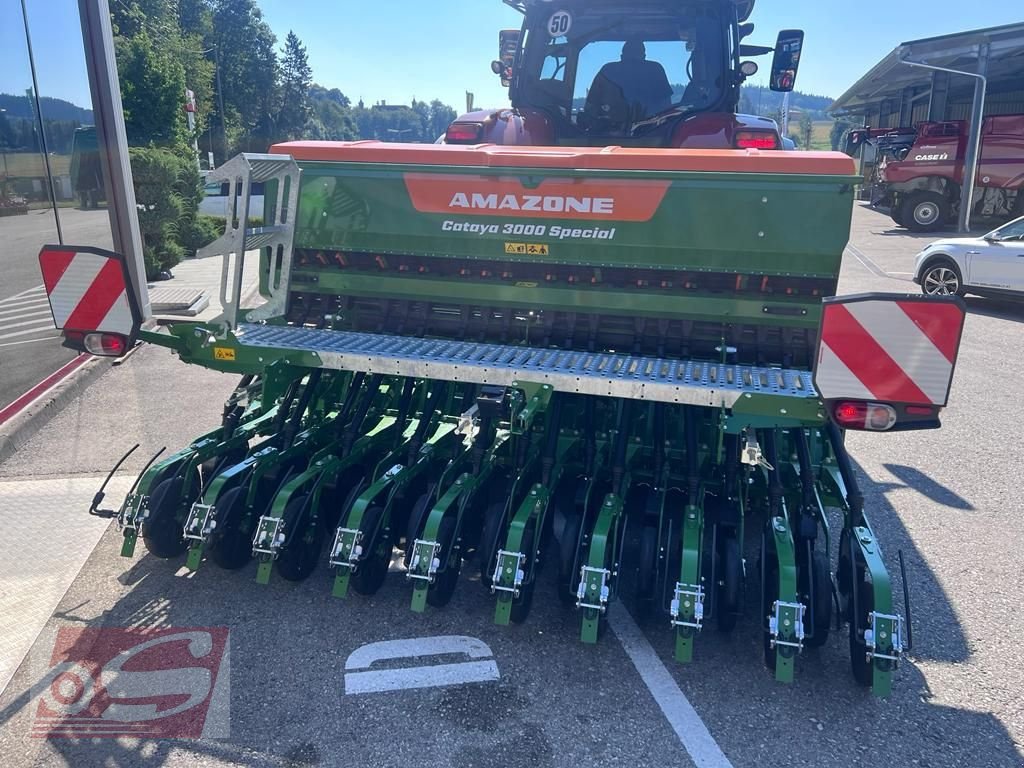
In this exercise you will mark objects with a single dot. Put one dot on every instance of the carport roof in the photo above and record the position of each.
(890, 76)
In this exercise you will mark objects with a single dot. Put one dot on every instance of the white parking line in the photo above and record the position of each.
(30, 341)
(696, 739)
(36, 289)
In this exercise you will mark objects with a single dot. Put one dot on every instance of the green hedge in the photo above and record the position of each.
(168, 189)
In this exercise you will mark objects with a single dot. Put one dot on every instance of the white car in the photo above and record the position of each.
(216, 202)
(990, 265)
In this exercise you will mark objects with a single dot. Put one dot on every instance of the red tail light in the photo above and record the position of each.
(464, 133)
(105, 344)
(757, 140)
(876, 417)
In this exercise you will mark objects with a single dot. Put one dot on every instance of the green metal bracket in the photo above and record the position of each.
(538, 396)
(887, 626)
(688, 598)
(514, 567)
(788, 613)
(595, 590)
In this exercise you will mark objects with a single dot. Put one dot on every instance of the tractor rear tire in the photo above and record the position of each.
(926, 211)
(162, 532)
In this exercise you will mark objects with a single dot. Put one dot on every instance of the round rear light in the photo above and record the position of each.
(105, 344)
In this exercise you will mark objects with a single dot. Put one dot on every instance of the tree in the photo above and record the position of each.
(296, 80)
(441, 116)
(806, 128)
(152, 92)
(248, 73)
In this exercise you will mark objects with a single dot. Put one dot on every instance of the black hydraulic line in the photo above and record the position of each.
(854, 498)
(774, 483)
(590, 447)
(355, 388)
(232, 410)
(425, 420)
(98, 498)
(692, 461)
(803, 454)
(621, 442)
(285, 406)
(551, 439)
(291, 428)
(659, 440)
(364, 407)
(405, 404)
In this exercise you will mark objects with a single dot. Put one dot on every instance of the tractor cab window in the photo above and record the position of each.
(617, 74)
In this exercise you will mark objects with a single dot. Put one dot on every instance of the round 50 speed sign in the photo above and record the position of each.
(560, 23)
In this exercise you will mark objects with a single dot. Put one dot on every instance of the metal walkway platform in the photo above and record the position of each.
(612, 375)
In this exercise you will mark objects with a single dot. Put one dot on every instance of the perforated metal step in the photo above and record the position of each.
(613, 375)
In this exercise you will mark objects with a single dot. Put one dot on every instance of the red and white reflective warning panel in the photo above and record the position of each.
(88, 292)
(890, 348)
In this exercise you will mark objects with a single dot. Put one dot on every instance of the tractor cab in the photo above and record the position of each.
(647, 73)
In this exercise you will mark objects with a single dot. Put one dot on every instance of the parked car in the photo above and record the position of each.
(215, 200)
(990, 265)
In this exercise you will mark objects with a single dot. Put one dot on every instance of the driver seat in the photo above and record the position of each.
(637, 87)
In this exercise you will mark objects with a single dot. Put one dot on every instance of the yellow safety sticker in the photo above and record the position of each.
(527, 249)
(223, 353)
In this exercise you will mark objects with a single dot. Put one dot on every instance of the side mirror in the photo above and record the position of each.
(787, 60)
(508, 47)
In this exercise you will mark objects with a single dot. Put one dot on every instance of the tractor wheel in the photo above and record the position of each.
(162, 532)
(769, 594)
(521, 605)
(941, 277)
(568, 575)
(898, 212)
(863, 670)
(231, 548)
(301, 552)
(372, 570)
(926, 211)
(727, 596)
(439, 594)
(822, 607)
(491, 540)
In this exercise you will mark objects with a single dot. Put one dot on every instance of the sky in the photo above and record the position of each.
(396, 50)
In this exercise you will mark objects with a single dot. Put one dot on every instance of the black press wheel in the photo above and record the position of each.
(769, 567)
(941, 277)
(820, 619)
(301, 551)
(163, 531)
(439, 594)
(231, 544)
(730, 574)
(925, 211)
(862, 669)
(522, 604)
(647, 573)
(417, 520)
(491, 540)
(568, 573)
(372, 570)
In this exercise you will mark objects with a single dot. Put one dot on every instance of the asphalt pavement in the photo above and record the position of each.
(30, 349)
(299, 694)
